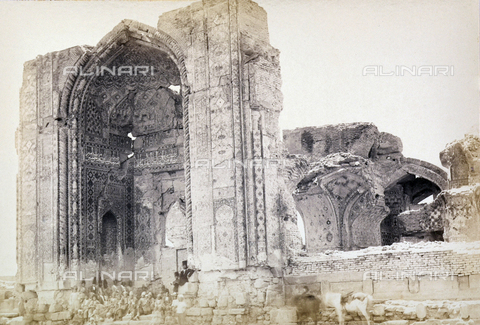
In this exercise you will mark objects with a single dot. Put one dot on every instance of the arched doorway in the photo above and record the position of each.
(109, 239)
(129, 102)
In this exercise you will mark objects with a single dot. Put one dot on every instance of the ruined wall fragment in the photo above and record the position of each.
(42, 182)
(235, 100)
(318, 142)
(462, 214)
(349, 182)
(462, 157)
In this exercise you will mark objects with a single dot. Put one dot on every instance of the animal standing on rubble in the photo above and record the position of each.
(359, 303)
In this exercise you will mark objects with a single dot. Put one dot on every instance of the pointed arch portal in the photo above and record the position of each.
(129, 98)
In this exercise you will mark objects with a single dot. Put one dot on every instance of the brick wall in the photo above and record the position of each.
(457, 259)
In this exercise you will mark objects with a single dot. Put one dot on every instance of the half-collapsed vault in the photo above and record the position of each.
(350, 183)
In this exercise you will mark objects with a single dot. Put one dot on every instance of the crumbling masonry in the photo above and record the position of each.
(161, 145)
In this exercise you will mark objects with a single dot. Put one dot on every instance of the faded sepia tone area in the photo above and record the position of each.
(219, 165)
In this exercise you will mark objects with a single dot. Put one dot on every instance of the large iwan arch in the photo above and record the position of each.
(147, 117)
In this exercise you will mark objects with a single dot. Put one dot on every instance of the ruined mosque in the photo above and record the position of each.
(160, 146)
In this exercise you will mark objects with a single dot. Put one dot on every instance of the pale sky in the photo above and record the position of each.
(324, 44)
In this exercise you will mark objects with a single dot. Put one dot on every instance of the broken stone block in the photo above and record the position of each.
(275, 298)
(413, 285)
(202, 302)
(27, 295)
(8, 304)
(39, 317)
(207, 311)
(194, 312)
(443, 312)
(378, 310)
(462, 157)
(212, 303)
(255, 312)
(260, 283)
(229, 319)
(236, 311)
(216, 320)
(462, 215)
(388, 144)
(55, 316)
(220, 312)
(30, 306)
(55, 308)
(18, 321)
(261, 297)
(240, 299)
(421, 311)
(43, 308)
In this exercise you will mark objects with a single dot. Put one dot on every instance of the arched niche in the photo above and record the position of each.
(109, 234)
(127, 104)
